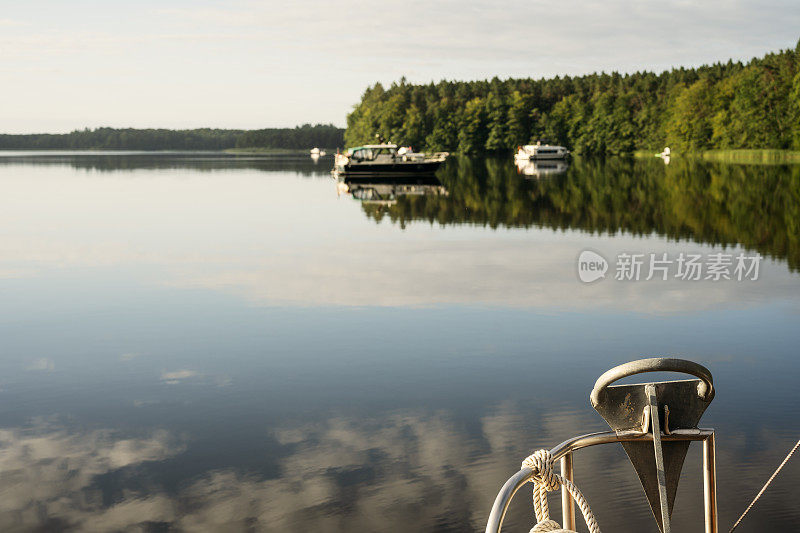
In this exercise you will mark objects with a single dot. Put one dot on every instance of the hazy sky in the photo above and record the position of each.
(249, 64)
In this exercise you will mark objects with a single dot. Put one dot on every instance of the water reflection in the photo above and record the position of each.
(756, 206)
(424, 470)
(244, 349)
(52, 478)
(538, 169)
(109, 161)
(412, 470)
(271, 239)
(385, 191)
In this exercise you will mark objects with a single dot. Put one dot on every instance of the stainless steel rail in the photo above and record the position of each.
(565, 449)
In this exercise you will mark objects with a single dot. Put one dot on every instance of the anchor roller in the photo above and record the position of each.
(655, 422)
(655, 407)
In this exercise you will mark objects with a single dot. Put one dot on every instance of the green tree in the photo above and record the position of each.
(497, 118)
(724, 105)
(472, 132)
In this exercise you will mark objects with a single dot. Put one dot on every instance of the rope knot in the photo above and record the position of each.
(545, 480)
(541, 463)
(546, 527)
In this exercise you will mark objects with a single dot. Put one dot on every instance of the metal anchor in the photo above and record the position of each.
(636, 407)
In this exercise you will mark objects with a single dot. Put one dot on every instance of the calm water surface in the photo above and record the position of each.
(204, 342)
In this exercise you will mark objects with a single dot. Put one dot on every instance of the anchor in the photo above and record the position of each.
(655, 407)
(655, 423)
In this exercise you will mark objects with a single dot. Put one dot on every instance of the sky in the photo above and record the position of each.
(256, 64)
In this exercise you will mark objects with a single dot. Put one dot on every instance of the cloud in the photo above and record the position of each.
(638, 35)
(534, 273)
(401, 459)
(162, 66)
(412, 467)
(417, 467)
(177, 376)
(43, 365)
(47, 474)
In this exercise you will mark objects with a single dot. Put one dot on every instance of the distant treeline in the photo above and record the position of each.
(305, 136)
(721, 106)
(300, 137)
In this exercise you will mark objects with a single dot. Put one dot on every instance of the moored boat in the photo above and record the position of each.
(386, 160)
(665, 155)
(540, 151)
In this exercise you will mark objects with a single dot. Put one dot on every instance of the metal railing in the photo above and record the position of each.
(563, 452)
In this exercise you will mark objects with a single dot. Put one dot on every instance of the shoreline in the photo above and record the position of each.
(270, 151)
(753, 156)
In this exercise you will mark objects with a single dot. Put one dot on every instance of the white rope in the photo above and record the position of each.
(786, 460)
(546, 527)
(544, 480)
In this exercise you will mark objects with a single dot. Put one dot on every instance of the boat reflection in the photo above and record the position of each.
(386, 191)
(540, 168)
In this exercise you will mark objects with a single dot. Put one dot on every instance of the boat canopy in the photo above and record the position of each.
(373, 146)
(371, 151)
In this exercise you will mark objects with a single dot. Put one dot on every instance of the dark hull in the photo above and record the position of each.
(394, 169)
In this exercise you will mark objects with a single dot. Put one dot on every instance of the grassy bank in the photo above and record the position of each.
(764, 157)
(757, 157)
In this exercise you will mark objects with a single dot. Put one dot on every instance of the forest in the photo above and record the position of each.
(729, 105)
(298, 138)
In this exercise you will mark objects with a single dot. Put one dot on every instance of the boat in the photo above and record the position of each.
(315, 151)
(540, 151)
(665, 155)
(654, 422)
(386, 159)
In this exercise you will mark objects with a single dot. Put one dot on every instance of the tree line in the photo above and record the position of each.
(300, 137)
(721, 106)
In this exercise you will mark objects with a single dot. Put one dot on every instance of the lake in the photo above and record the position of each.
(199, 341)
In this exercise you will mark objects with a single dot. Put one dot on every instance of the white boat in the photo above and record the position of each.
(315, 151)
(665, 155)
(541, 151)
